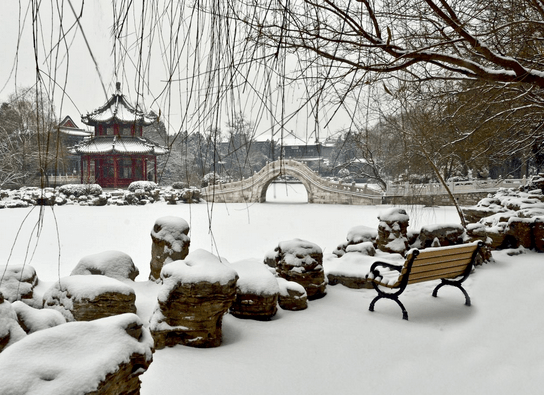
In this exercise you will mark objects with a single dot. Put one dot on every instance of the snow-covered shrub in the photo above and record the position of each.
(147, 186)
(214, 178)
(80, 189)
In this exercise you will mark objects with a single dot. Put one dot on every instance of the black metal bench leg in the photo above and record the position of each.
(435, 291)
(404, 312)
(371, 307)
(467, 298)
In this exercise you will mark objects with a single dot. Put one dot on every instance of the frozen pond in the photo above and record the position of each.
(282, 192)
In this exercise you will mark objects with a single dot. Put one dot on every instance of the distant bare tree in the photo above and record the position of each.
(29, 141)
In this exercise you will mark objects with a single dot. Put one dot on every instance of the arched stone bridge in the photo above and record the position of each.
(253, 189)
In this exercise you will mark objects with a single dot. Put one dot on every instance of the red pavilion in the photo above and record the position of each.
(118, 154)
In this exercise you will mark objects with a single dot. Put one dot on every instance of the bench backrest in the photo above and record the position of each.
(440, 262)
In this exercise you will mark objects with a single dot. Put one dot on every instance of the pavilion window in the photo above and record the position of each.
(138, 169)
(126, 168)
(125, 130)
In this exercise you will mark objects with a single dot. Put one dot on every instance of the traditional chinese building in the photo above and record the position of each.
(70, 135)
(118, 154)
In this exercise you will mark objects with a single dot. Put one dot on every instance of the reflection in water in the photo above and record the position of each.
(282, 192)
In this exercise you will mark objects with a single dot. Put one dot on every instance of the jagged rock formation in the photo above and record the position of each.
(194, 296)
(302, 262)
(169, 243)
(392, 231)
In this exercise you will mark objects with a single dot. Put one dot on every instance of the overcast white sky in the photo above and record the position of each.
(73, 69)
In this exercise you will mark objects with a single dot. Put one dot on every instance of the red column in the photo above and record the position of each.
(81, 168)
(155, 169)
(89, 169)
(115, 172)
(144, 168)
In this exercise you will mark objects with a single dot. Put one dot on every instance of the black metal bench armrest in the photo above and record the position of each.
(376, 273)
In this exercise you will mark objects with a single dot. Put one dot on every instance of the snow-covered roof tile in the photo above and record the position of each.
(119, 145)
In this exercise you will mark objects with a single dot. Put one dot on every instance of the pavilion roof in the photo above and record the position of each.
(107, 145)
(118, 109)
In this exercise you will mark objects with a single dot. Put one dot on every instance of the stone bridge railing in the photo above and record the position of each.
(456, 187)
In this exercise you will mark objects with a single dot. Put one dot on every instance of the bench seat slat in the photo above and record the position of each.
(444, 251)
(449, 272)
(422, 258)
(430, 265)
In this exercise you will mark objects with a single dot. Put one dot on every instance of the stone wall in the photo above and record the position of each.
(464, 199)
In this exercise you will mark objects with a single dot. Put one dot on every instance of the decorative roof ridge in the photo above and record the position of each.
(113, 103)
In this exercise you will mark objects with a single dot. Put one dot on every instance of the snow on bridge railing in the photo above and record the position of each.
(469, 186)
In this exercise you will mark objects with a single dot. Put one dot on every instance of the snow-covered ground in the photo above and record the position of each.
(336, 346)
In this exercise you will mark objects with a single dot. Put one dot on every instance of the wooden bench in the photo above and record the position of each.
(452, 265)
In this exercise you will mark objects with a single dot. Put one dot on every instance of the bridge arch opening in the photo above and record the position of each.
(289, 189)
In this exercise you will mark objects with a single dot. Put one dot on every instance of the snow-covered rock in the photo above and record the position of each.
(32, 319)
(256, 291)
(356, 235)
(105, 356)
(115, 264)
(170, 242)
(86, 298)
(18, 282)
(301, 261)
(194, 295)
(447, 234)
(392, 231)
(10, 330)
